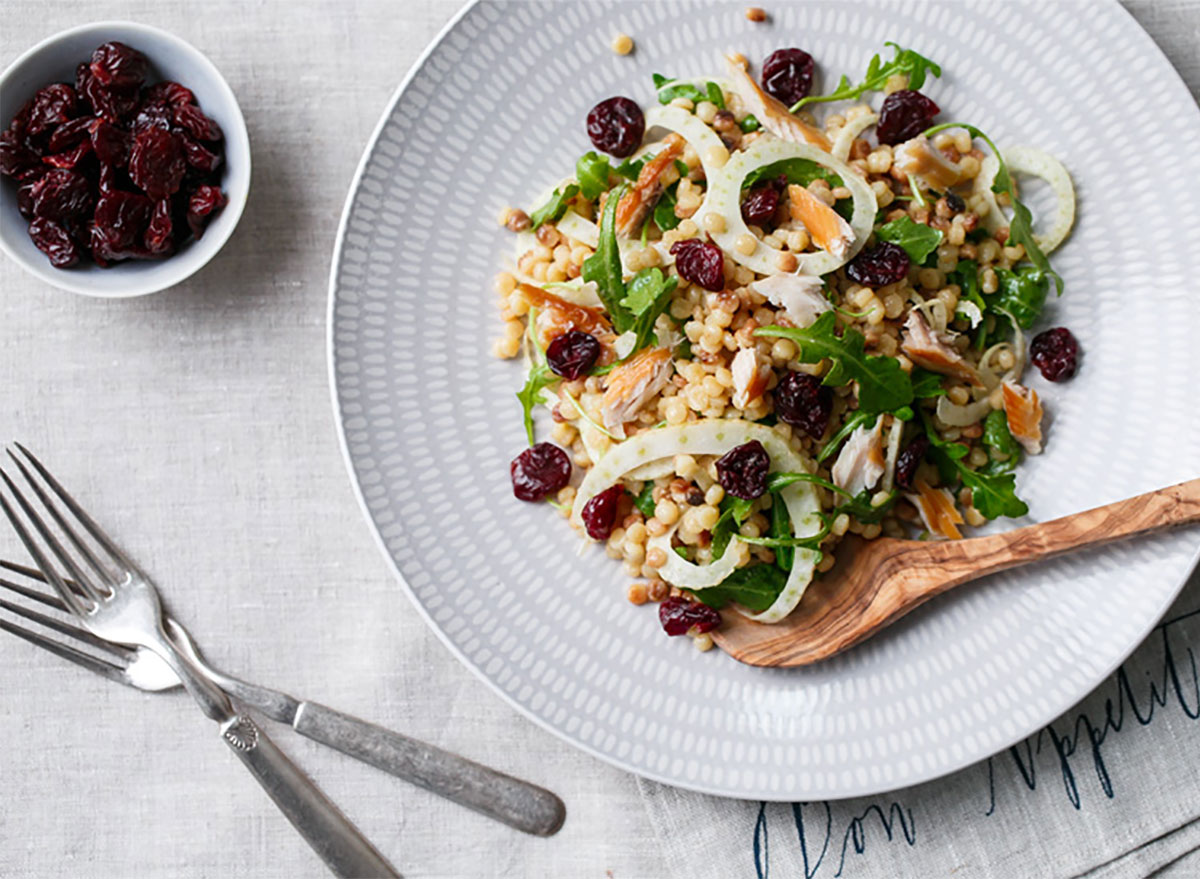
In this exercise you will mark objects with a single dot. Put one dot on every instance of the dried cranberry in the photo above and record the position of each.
(62, 196)
(106, 103)
(191, 119)
(883, 264)
(119, 225)
(152, 114)
(54, 241)
(700, 262)
(118, 67)
(678, 614)
(158, 234)
(110, 143)
(199, 157)
(69, 134)
(25, 199)
(202, 205)
(760, 205)
(573, 354)
(904, 115)
(156, 162)
(787, 75)
(16, 159)
(1056, 353)
(616, 126)
(52, 106)
(600, 513)
(539, 471)
(170, 92)
(71, 158)
(802, 401)
(909, 459)
(742, 471)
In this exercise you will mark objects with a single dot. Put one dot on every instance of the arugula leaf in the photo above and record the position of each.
(1020, 227)
(926, 384)
(645, 500)
(604, 266)
(851, 424)
(799, 171)
(882, 384)
(998, 438)
(781, 526)
(754, 586)
(669, 89)
(917, 239)
(664, 210)
(861, 508)
(734, 512)
(555, 207)
(904, 61)
(966, 276)
(592, 171)
(779, 481)
(993, 494)
(631, 168)
(1022, 294)
(649, 296)
(540, 377)
(750, 123)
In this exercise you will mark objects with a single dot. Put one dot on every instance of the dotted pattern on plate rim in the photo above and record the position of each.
(430, 421)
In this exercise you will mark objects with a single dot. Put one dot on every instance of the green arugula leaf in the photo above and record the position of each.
(779, 481)
(750, 123)
(734, 512)
(999, 439)
(754, 586)
(925, 384)
(714, 94)
(993, 494)
(851, 424)
(649, 296)
(604, 266)
(555, 207)
(664, 210)
(882, 384)
(645, 500)
(1020, 227)
(966, 276)
(631, 168)
(1022, 294)
(917, 239)
(669, 89)
(592, 171)
(540, 376)
(781, 527)
(904, 61)
(861, 508)
(799, 171)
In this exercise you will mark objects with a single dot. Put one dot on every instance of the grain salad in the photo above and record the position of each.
(761, 319)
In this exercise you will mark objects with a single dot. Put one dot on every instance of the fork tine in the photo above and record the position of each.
(87, 521)
(99, 666)
(69, 598)
(67, 629)
(55, 546)
(35, 595)
(64, 526)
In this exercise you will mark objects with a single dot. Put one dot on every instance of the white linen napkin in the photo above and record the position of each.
(1109, 790)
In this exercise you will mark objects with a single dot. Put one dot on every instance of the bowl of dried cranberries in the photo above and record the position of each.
(124, 160)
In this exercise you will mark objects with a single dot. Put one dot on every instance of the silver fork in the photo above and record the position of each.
(118, 602)
(517, 803)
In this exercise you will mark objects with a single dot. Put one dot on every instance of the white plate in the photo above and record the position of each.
(491, 115)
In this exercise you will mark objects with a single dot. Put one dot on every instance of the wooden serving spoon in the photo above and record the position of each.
(876, 582)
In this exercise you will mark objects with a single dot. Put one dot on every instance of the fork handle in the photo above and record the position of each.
(517, 803)
(338, 842)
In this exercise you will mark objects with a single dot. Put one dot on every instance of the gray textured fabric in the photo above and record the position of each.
(197, 424)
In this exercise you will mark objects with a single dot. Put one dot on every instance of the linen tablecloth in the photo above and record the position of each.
(196, 423)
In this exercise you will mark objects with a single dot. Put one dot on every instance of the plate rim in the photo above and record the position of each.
(950, 767)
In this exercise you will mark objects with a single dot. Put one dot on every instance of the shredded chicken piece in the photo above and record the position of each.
(632, 384)
(860, 462)
(557, 316)
(919, 158)
(925, 348)
(750, 377)
(771, 112)
(828, 230)
(937, 509)
(798, 295)
(1024, 412)
(640, 199)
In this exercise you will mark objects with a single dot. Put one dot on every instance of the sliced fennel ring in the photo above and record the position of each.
(725, 198)
(715, 436)
(1035, 163)
(848, 133)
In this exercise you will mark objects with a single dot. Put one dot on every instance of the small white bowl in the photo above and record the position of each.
(55, 60)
